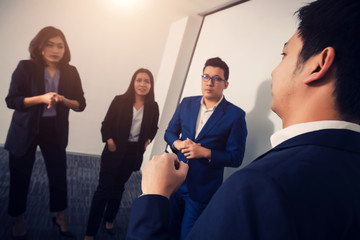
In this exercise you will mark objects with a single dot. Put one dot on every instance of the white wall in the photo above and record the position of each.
(249, 37)
(108, 43)
(175, 61)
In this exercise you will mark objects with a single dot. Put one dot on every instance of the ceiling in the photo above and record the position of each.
(176, 9)
(204, 6)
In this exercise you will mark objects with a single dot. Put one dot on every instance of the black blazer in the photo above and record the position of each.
(28, 81)
(118, 120)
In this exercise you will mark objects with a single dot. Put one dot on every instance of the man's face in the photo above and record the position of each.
(286, 79)
(213, 90)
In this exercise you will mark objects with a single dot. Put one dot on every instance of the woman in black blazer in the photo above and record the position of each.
(41, 92)
(129, 126)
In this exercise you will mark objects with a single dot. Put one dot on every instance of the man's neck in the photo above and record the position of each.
(210, 103)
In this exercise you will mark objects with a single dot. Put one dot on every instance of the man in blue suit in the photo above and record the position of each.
(308, 185)
(208, 133)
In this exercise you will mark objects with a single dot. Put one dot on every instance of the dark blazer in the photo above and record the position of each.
(224, 133)
(118, 120)
(307, 187)
(28, 81)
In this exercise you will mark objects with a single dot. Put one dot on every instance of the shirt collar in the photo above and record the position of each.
(297, 129)
(202, 104)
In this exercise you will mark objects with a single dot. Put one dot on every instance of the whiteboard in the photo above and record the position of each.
(249, 37)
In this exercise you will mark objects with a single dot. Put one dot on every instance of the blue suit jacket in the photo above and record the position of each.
(224, 133)
(307, 187)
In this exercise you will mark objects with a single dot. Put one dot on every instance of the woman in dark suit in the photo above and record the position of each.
(129, 126)
(42, 91)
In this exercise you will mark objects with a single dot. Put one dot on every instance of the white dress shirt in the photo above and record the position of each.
(204, 115)
(297, 129)
(136, 124)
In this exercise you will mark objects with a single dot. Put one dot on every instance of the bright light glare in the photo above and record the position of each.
(126, 3)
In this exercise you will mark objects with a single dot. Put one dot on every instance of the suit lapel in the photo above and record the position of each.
(193, 114)
(213, 120)
(61, 81)
(145, 120)
(64, 78)
(128, 111)
(40, 79)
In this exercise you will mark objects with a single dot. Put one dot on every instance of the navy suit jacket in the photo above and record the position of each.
(224, 133)
(307, 187)
(28, 81)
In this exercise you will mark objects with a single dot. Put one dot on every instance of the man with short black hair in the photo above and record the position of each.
(208, 133)
(308, 185)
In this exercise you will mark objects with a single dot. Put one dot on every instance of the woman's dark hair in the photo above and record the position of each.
(130, 92)
(335, 23)
(39, 42)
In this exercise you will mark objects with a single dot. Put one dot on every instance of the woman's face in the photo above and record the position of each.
(142, 84)
(53, 51)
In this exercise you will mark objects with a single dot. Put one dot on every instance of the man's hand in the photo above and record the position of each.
(179, 145)
(160, 176)
(195, 150)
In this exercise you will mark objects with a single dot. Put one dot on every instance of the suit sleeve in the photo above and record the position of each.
(19, 88)
(149, 218)
(233, 153)
(249, 205)
(77, 92)
(173, 130)
(110, 120)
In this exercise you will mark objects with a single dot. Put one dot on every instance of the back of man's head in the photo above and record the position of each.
(218, 62)
(336, 23)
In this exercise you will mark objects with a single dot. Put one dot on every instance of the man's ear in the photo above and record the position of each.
(323, 62)
(226, 84)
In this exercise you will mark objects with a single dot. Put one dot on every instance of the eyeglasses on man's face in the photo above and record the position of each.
(214, 79)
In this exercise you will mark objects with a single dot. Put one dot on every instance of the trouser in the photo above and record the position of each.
(21, 169)
(183, 213)
(114, 172)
